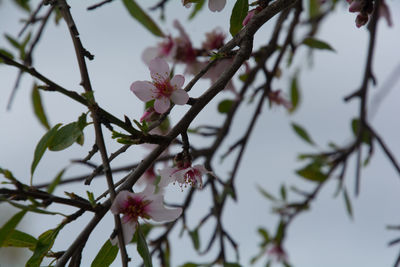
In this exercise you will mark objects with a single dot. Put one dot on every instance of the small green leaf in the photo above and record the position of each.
(239, 12)
(314, 10)
(194, 235)
(65, 137)
(294, 94)
(91, 198)
(106, 255)
(142, 248)
(42, 146)
(55, 182)
(197, 7)
(302, 133)
(348, 203)
(24, 4)
(44, 244)
(317, 44)
(5, 53)
(231, 264)
(8, 175)
(225, 106)
(283, 192)
(137, 13)
(12, 41)
(8, 228)
(312, 172)
(366, 137)
(190, 264)
(265, 193)
(38, 107)
(20, 239)
(266, 238)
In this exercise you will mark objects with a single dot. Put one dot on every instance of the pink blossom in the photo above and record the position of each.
(214, 39)
(361, 19)
(145, 205)
(356, 6)
(162, 89)
(215, 72)
(275, 97)
(191, 175)
(278, 253)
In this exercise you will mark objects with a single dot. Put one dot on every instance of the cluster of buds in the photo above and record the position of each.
(364, 8)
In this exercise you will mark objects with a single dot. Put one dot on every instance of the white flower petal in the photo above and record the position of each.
(166, 176)
(129, 230)
(177, 81)
(159, 213)
(179, 97)
(159, 70)
(144, 90)
(216, 5)
(119, 202)
(150, 53)
(161, 104)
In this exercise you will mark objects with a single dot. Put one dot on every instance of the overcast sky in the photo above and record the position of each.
(324, 236)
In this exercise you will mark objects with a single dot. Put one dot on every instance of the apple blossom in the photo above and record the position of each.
(145, 205)
(162, 89)
(189, 175)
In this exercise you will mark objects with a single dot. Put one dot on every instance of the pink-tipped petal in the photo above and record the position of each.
(159, 70)
(216, 5)
(159, 213)
(166, 176)
(179, 97)
(161, 104)
(177, 81)
(150, 53)
(119, 202)
(144, 90)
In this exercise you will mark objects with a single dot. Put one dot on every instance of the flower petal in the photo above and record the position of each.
(161, 104)
(159, 213)
(216, 5)
(144, 90)
(150, 53)
(166, 176)
(179, 97)
(119, 202)
(177, 81)
(159, 70)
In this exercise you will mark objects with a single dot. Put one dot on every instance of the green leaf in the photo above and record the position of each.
(348, 203)
(264, 233)
(106, 255)
(12, 41)
(24, 4)
(294, 94)
(239, 12)
(197, 7)
(312, 172)
(142, 248)
(317, 44)
(5, 53)
(8, 175)
(42, 146)
(8, 228)
(302, 133)
(314, 10)
(194, 235)
(231, 264)
(190, 264)
(44, 244)
(265, 193)
(65, 137)
(283, 192)
(55, 182)
(91, 198)
(38, 107)
(366, 135)
(21, 240)
(137, 13)
(31, 208)
(225, 106)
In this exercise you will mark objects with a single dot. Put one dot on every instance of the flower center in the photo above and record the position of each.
(165, 88)
(135, 208)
